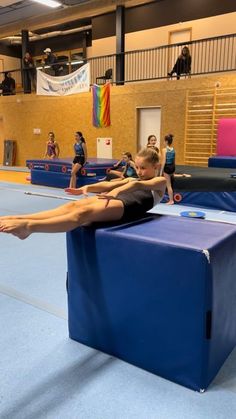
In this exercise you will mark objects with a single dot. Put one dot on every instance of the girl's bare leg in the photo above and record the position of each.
(116, 173)
(63, 209)
(75, 168)
(169, 189)
(97, 211)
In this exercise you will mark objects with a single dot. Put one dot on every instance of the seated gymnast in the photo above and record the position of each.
(124, 200)
(127, 169)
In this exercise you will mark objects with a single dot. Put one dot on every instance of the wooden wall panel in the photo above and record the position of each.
(65, 115)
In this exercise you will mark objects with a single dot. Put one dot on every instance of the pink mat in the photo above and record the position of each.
(226, 139)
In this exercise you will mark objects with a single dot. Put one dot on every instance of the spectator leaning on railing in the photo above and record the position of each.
(183, 64)
(52, 60)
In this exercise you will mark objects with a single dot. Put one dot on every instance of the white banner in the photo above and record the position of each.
(76, 82)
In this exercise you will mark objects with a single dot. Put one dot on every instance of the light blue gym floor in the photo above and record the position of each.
(46, 375)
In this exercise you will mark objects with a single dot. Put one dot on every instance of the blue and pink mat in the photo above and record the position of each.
(226, 144)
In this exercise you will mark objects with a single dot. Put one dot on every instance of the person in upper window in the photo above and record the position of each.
(183, 64)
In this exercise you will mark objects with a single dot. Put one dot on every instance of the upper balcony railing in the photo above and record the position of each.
(208, 56)
(212, 55)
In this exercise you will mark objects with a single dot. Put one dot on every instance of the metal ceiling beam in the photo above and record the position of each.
(90, 9)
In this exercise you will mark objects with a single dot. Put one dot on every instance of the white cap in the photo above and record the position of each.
(47, 50)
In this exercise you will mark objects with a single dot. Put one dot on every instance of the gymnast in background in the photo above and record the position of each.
(168, 165)
(122, 200)
(125, 168)
(80, 158)
(151, 143)
(52, 148)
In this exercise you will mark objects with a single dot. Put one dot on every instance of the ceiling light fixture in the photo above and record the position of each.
(49, 3)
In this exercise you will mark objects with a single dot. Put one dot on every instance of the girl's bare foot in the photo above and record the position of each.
(170, 203)
(18, 228)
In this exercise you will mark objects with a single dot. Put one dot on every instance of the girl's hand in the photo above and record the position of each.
(107, 197)
(77, 191)
(110, 195)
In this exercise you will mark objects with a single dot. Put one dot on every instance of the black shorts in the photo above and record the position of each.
(79, 159)
(136, 204)
(169, 169)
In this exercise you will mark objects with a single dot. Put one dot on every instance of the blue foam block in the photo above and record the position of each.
(59, 180)
(159, 293)
(225, 201)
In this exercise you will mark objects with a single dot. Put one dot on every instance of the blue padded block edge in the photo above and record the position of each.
(222, 161)
(59, 180)
(225, 201)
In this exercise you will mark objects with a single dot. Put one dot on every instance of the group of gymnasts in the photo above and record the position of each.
(80, 150)
(125, 167)
(123, 199)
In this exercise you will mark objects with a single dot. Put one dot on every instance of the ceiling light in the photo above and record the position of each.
(49, 3)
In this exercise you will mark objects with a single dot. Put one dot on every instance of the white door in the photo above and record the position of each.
(149, 123)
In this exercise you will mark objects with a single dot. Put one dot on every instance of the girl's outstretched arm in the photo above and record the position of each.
(155, 184)
(98, 187)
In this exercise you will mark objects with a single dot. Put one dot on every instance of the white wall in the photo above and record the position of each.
(151, 38)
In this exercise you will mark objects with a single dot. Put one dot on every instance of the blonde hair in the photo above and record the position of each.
(149, 154)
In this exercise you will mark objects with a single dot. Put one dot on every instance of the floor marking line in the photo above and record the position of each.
(41, 305)
(46, 195)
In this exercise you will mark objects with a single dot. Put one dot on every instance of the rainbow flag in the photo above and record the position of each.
(101, 105)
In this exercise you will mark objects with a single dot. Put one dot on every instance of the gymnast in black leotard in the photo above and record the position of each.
(121, 200)
(80, 150)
